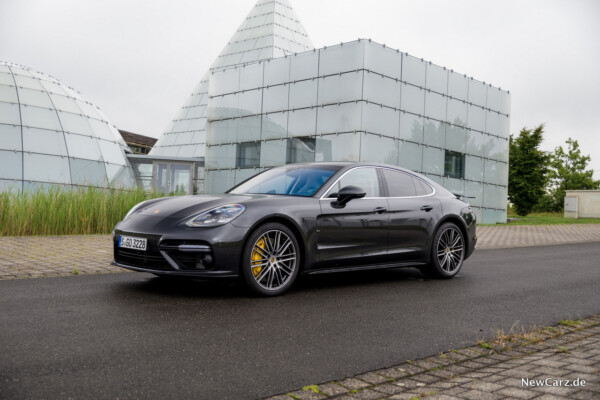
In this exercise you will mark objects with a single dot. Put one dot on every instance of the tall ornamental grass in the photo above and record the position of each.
(65, 212)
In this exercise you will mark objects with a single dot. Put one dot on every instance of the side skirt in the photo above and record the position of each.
(365, 267)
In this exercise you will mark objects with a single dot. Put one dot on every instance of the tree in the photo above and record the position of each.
(527, 169)
(568, 172)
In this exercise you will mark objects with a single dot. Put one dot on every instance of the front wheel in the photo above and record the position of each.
(447, 252)
(271, 259)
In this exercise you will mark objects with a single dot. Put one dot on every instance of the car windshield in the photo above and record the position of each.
(287, 181)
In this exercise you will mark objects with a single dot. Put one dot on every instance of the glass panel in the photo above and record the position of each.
(474, 168)
(275, 98)
(28, 82)
(454, 165)
(341, 88)
(378, 149)
(413, 70)
(492, 123)
(342, 58)
(302, 122)
(343, 118)
(44, 141)
(11, 164)
(242, 174)
(364, 178)
(504, 102)
(494, 99)
(474, 189)
(458, 86)
(497, 149)
(380, 120)
(304, 66)
(437, 78)
(180, 179)
(39, 117)
(399, 184)
(224, 81)
(504, 126)
(383, 60)
(34, 98)
(111, 152)
(344, 147)
(83, 147)
(88, 173)
(433, 160)
(477, 92)
(301, 150)
(248, 155)
(435, 106)
(218, 181)
(476, 118)
(436, 178)
(251, 76)
(84, 107)
(75, 123)
(273, 153)
(53, 88)
(492, 172)
(455, 186)
(6, 79)
(381, 90)
(120, 176)
(45, 168)
(303, 94)
(494, 197)
(186, 151)
(274, 125)
(277, 71)
(412, 99)
(456, 138)
(224, 131)
(101, 129)
(457, 112)
(10, 137)
(10, 185)
(434, 133)
(8, 94)
(476, 143)
(250, 102)
(411, 127)
(410, 155)
(184, 138)
(9, 114)
(67, 104)
(161, 181)
(249, 128)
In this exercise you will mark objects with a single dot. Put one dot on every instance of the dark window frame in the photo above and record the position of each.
(454, 164)
(246, 163)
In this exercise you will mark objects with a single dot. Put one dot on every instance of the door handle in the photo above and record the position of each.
(426, 208)
(380, 210)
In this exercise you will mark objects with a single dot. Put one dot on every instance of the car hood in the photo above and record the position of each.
(188, 206)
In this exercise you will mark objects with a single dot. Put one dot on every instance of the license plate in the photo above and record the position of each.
(128, 242)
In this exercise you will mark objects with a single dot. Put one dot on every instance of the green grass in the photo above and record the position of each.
(65, 212)
(549, 219)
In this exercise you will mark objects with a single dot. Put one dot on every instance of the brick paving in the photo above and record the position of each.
(533, 365)
(46, 256)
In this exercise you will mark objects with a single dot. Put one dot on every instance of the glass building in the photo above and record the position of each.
(49, 135)
(269, 31)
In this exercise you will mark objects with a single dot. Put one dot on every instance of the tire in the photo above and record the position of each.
(447, 252)
(271, 259)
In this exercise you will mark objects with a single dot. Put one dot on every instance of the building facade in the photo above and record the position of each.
(360, 101)
(51, 136)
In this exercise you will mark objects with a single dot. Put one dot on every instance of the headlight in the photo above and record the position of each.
(216, 216)
(135, 208)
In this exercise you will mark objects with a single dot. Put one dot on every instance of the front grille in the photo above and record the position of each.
(142, 260)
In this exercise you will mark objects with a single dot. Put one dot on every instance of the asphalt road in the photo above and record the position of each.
(135, 336)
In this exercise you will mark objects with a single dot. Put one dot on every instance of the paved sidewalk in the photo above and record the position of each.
(45, 256)
(534, 365)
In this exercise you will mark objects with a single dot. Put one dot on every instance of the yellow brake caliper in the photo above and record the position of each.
(257, 258)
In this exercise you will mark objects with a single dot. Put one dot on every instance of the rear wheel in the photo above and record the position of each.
(271, 259)
(447, 252)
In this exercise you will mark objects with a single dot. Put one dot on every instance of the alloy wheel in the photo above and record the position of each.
(273, 259)
(450, 249)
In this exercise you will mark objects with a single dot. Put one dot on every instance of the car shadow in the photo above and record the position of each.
(182, 287)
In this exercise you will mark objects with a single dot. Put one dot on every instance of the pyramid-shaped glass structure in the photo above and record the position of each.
(270, 30)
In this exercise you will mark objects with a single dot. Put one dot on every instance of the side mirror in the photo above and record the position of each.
(346, 194)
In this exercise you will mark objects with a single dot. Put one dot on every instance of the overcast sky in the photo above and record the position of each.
(138, 60)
